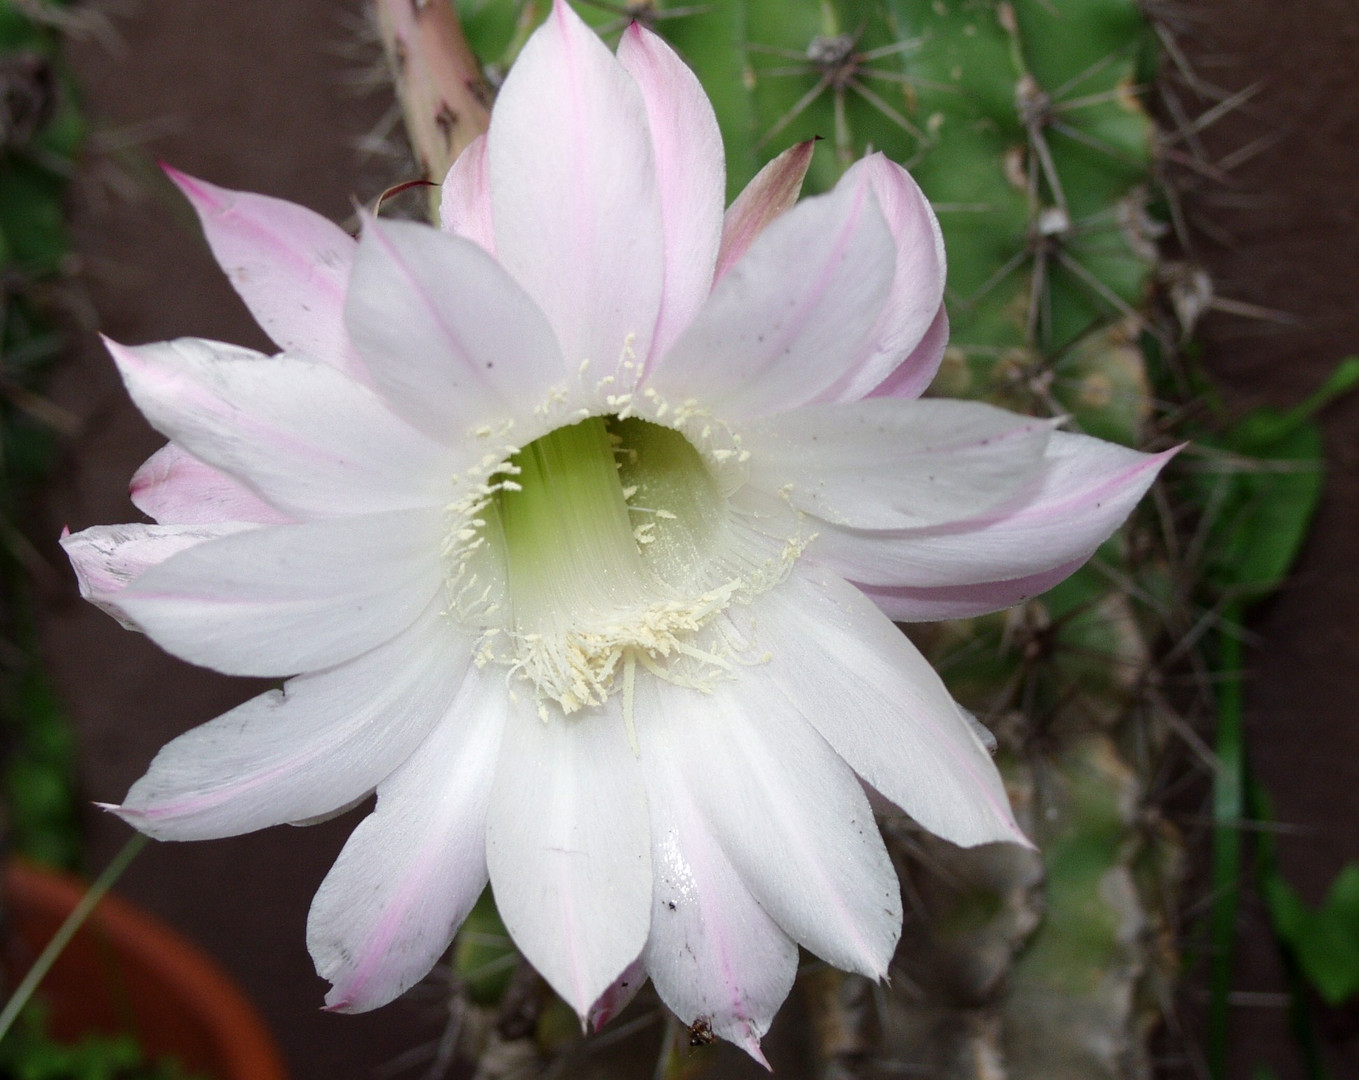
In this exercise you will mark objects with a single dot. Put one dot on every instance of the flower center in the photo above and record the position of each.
(600, 545)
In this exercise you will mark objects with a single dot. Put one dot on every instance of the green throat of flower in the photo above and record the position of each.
(601, 547)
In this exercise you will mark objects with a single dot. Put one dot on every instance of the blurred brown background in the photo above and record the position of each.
(258, 94)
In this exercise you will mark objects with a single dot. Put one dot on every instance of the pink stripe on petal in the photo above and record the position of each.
(914, 374)
(175, 488)
(905, 604)
(772, 192)
(465, 201)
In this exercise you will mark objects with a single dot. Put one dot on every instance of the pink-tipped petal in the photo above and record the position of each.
(465, 200)
(618, 996)
(779, 328)
(789, 815)
(1084, 492)
(573, 187)
(714, 955)
(841, 663)
(414, 867)
(289, 264)
(690, 175)
(452, 341)
(306, 437)
(888, 463)
(280, 599)
(302, 752)
(905, 604)
(771, 193)
(108, 558)
(917, 284)
(568, 847)
(914, 374)
(174, 488)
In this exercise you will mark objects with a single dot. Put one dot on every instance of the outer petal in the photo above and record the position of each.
(782, 324)
(769, 195)
(414, 867)
(568, 847)
(905, 604)
(290, 265)
(690, 174)
(287, 598)
(108, 558)
(318, 744)
(840, 663)
(465, 200)
(918, 370)
(887, 463)
(453, 342)
(792, 819)
(917, 285)
(1085, 491)
(714, 954)
(175, 488)
(573, 186)
(313, 442)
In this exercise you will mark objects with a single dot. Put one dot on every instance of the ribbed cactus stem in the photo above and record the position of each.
(444, 96)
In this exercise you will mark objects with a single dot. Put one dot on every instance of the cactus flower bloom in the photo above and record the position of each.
(578, 527)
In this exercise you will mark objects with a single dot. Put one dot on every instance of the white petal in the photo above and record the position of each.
(465, 198)
(301, 752)
(414, 867)
(568, 845)
(108, 558)
(690, 174)
(786, 321)
(311, 441)
(573, 187)
(1084, 492)
(281, 599)
(452, 342)
(917, 371)
(887, 463)
(839, 662)
(917, 284)
(289, 264)
(714, 954)
(790, 816)
(175, 488)
(905, 604)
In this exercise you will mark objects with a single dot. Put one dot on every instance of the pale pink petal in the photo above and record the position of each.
(452, 341)
(174, 488)
(465, 199)
(618, 996)
(307, 438)
(414, 867)
(713, 953)
(573, 187)
(779, 328)
(568, 846)
(1083, 494)
(888, 463)
(302, 752)
(917, 284)
(918, 370)
(690, 173)
(841, 663)
(790, 816)
(905, 604)
(771, 193)
(280, 599)
(289, 264)
(108, 558)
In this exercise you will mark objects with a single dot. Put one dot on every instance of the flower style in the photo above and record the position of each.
(579, 526)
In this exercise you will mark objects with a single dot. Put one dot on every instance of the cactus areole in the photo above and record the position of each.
(578, 526)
